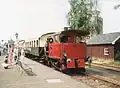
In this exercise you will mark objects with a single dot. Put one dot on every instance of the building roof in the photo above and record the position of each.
(109, 38)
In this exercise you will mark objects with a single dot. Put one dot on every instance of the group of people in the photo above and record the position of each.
(14, 54)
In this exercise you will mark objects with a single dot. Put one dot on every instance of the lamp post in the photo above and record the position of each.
(16, 35)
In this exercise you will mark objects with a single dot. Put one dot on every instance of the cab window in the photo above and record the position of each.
(64, 39)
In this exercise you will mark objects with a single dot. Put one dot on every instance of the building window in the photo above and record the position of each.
(106, 51)
(28, 44)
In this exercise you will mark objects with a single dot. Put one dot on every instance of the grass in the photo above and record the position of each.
(107, 62)
(115, 63)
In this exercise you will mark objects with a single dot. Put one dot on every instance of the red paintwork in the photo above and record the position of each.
(73, 50)
(80, 65)
(55, 50)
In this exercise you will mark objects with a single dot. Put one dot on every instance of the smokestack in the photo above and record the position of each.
(67, 28)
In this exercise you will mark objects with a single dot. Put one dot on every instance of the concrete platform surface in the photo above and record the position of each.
(42, 77)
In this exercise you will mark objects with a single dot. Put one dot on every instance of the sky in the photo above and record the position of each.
(31, 18)
(111, 17)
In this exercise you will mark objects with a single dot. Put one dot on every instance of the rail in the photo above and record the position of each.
(106, 67)
(106, 79)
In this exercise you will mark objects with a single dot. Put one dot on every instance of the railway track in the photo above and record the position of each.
(114, 68)
(114, 83)
(97, 81)
(118, 67)
(106, 79)
(92, 75)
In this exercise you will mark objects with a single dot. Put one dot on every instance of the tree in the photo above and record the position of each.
(84, 15)
(117, 6)
(2, 40)
(11, 42)
(97, 23)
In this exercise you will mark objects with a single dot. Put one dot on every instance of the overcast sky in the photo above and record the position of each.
(30, 18)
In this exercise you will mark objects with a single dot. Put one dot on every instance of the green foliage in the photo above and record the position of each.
(117, 56)
(11, 42)
(84, 16)
(117, 6)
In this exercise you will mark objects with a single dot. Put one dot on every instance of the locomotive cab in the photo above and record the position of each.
(66, 39)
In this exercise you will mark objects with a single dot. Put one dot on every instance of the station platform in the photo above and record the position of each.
(40, 76)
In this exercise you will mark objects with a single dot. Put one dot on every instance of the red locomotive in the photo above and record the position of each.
(63, 50)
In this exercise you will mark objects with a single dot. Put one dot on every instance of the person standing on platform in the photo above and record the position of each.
(9, 59)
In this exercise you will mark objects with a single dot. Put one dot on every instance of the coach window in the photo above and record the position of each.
(30, 44)
(64, 39)
(37, 42)
(27, 44)
(106, 51)
(34, 43)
